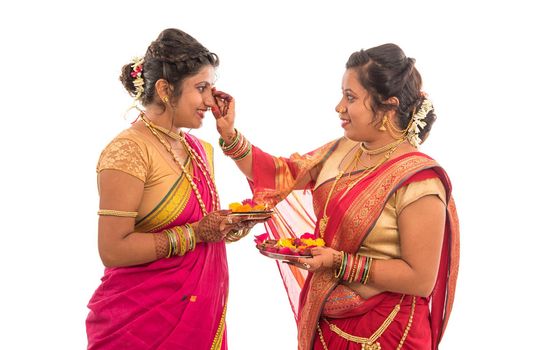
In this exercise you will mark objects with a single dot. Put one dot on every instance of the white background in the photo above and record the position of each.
(483, 67)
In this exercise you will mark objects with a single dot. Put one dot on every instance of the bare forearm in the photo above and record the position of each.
(395, 275)
(134, 249)
(245, 165)
(230, 140)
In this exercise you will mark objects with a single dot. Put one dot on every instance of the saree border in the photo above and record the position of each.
(168, 209)
(366, 208)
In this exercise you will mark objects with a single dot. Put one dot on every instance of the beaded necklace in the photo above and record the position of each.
(390, 148)
(201, 164)
(195, 158)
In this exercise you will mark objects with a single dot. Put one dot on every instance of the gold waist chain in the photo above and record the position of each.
(371, 343)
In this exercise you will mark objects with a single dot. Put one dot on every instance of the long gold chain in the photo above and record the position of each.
(182, 168)
(323, 222)
(371, 343)
(201, 164)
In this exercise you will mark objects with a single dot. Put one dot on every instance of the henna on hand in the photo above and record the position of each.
(161, 243)
(211, 227)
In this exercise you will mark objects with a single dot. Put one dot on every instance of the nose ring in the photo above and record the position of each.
(341, 109)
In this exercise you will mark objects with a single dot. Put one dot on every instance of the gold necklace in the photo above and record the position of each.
(182, 168)
(323, 223)
(201, 164)
(373, 152)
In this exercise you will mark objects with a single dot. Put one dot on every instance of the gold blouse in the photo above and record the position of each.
(140, 154)
(383, 242)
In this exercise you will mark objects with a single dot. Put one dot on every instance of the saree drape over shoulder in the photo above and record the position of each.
(323, 298)
(176, 303)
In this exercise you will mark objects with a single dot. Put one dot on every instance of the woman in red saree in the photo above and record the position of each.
(386, 278)
(161, 233)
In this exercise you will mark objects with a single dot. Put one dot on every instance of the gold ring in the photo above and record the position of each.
(307, 266)
(229, 220)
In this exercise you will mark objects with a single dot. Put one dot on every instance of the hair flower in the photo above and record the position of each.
(418, 122)
(138, 81)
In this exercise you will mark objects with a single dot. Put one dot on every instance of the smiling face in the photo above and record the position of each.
(195, 99)
(357, 117)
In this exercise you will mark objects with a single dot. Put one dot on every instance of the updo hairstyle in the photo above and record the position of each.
(173, 56)
(385, 71)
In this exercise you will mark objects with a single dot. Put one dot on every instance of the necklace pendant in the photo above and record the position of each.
(322, 225)
(371, 346)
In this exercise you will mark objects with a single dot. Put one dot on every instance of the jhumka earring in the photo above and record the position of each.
(383, 124)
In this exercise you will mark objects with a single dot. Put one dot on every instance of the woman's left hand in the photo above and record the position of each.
(323, 258)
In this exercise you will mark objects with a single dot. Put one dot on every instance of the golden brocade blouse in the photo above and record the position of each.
(383, 242)
(140, 154)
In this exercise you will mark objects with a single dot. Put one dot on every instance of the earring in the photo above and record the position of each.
(383, 124)
(165, 99)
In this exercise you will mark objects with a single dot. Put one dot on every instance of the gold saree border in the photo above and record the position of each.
(170, 207)
(219, 335)
(366, 208)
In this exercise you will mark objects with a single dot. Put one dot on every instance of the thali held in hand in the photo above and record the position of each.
(289, 249)
(250, 211)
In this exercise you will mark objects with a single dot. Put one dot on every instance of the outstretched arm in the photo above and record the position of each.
(224, 112)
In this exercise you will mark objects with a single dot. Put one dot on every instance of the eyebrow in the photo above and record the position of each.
(347, 90)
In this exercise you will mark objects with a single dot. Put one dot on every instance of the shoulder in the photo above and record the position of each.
(128, 152)
(424, 183)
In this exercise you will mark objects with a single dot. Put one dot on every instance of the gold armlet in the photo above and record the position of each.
(119, 213)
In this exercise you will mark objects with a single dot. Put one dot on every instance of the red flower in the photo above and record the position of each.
(261, 238)
(307, 235)
(285, 250)
(249, 202)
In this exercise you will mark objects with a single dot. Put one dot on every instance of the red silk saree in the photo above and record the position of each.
(351, 219)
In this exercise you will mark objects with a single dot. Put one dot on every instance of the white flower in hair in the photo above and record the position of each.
(418, 122)
(138, 82)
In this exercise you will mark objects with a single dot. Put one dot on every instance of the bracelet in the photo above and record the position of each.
(191, 237)
(238, 149)
(119, 213)
(353, 268)
(342, 265)
(232, 144)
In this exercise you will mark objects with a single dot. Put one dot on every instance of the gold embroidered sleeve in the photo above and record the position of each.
(416, 190)
(124, 155)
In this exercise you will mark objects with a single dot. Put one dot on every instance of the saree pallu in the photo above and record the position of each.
(176, 303)
(351, 219)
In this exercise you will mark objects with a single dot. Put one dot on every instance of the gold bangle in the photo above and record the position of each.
(119, 213)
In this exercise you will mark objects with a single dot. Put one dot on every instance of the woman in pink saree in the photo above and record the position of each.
(386, 278)
(161, 233)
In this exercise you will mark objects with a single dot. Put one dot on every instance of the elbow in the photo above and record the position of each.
(107, 261)
(424, 288)
(108, 258)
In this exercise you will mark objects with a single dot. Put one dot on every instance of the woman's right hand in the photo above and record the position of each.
(224, 112)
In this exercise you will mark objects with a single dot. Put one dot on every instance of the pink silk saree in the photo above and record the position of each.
(177, 303)
(350, 221)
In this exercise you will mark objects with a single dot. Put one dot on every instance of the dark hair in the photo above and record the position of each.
(173, 56)
(385, 71)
